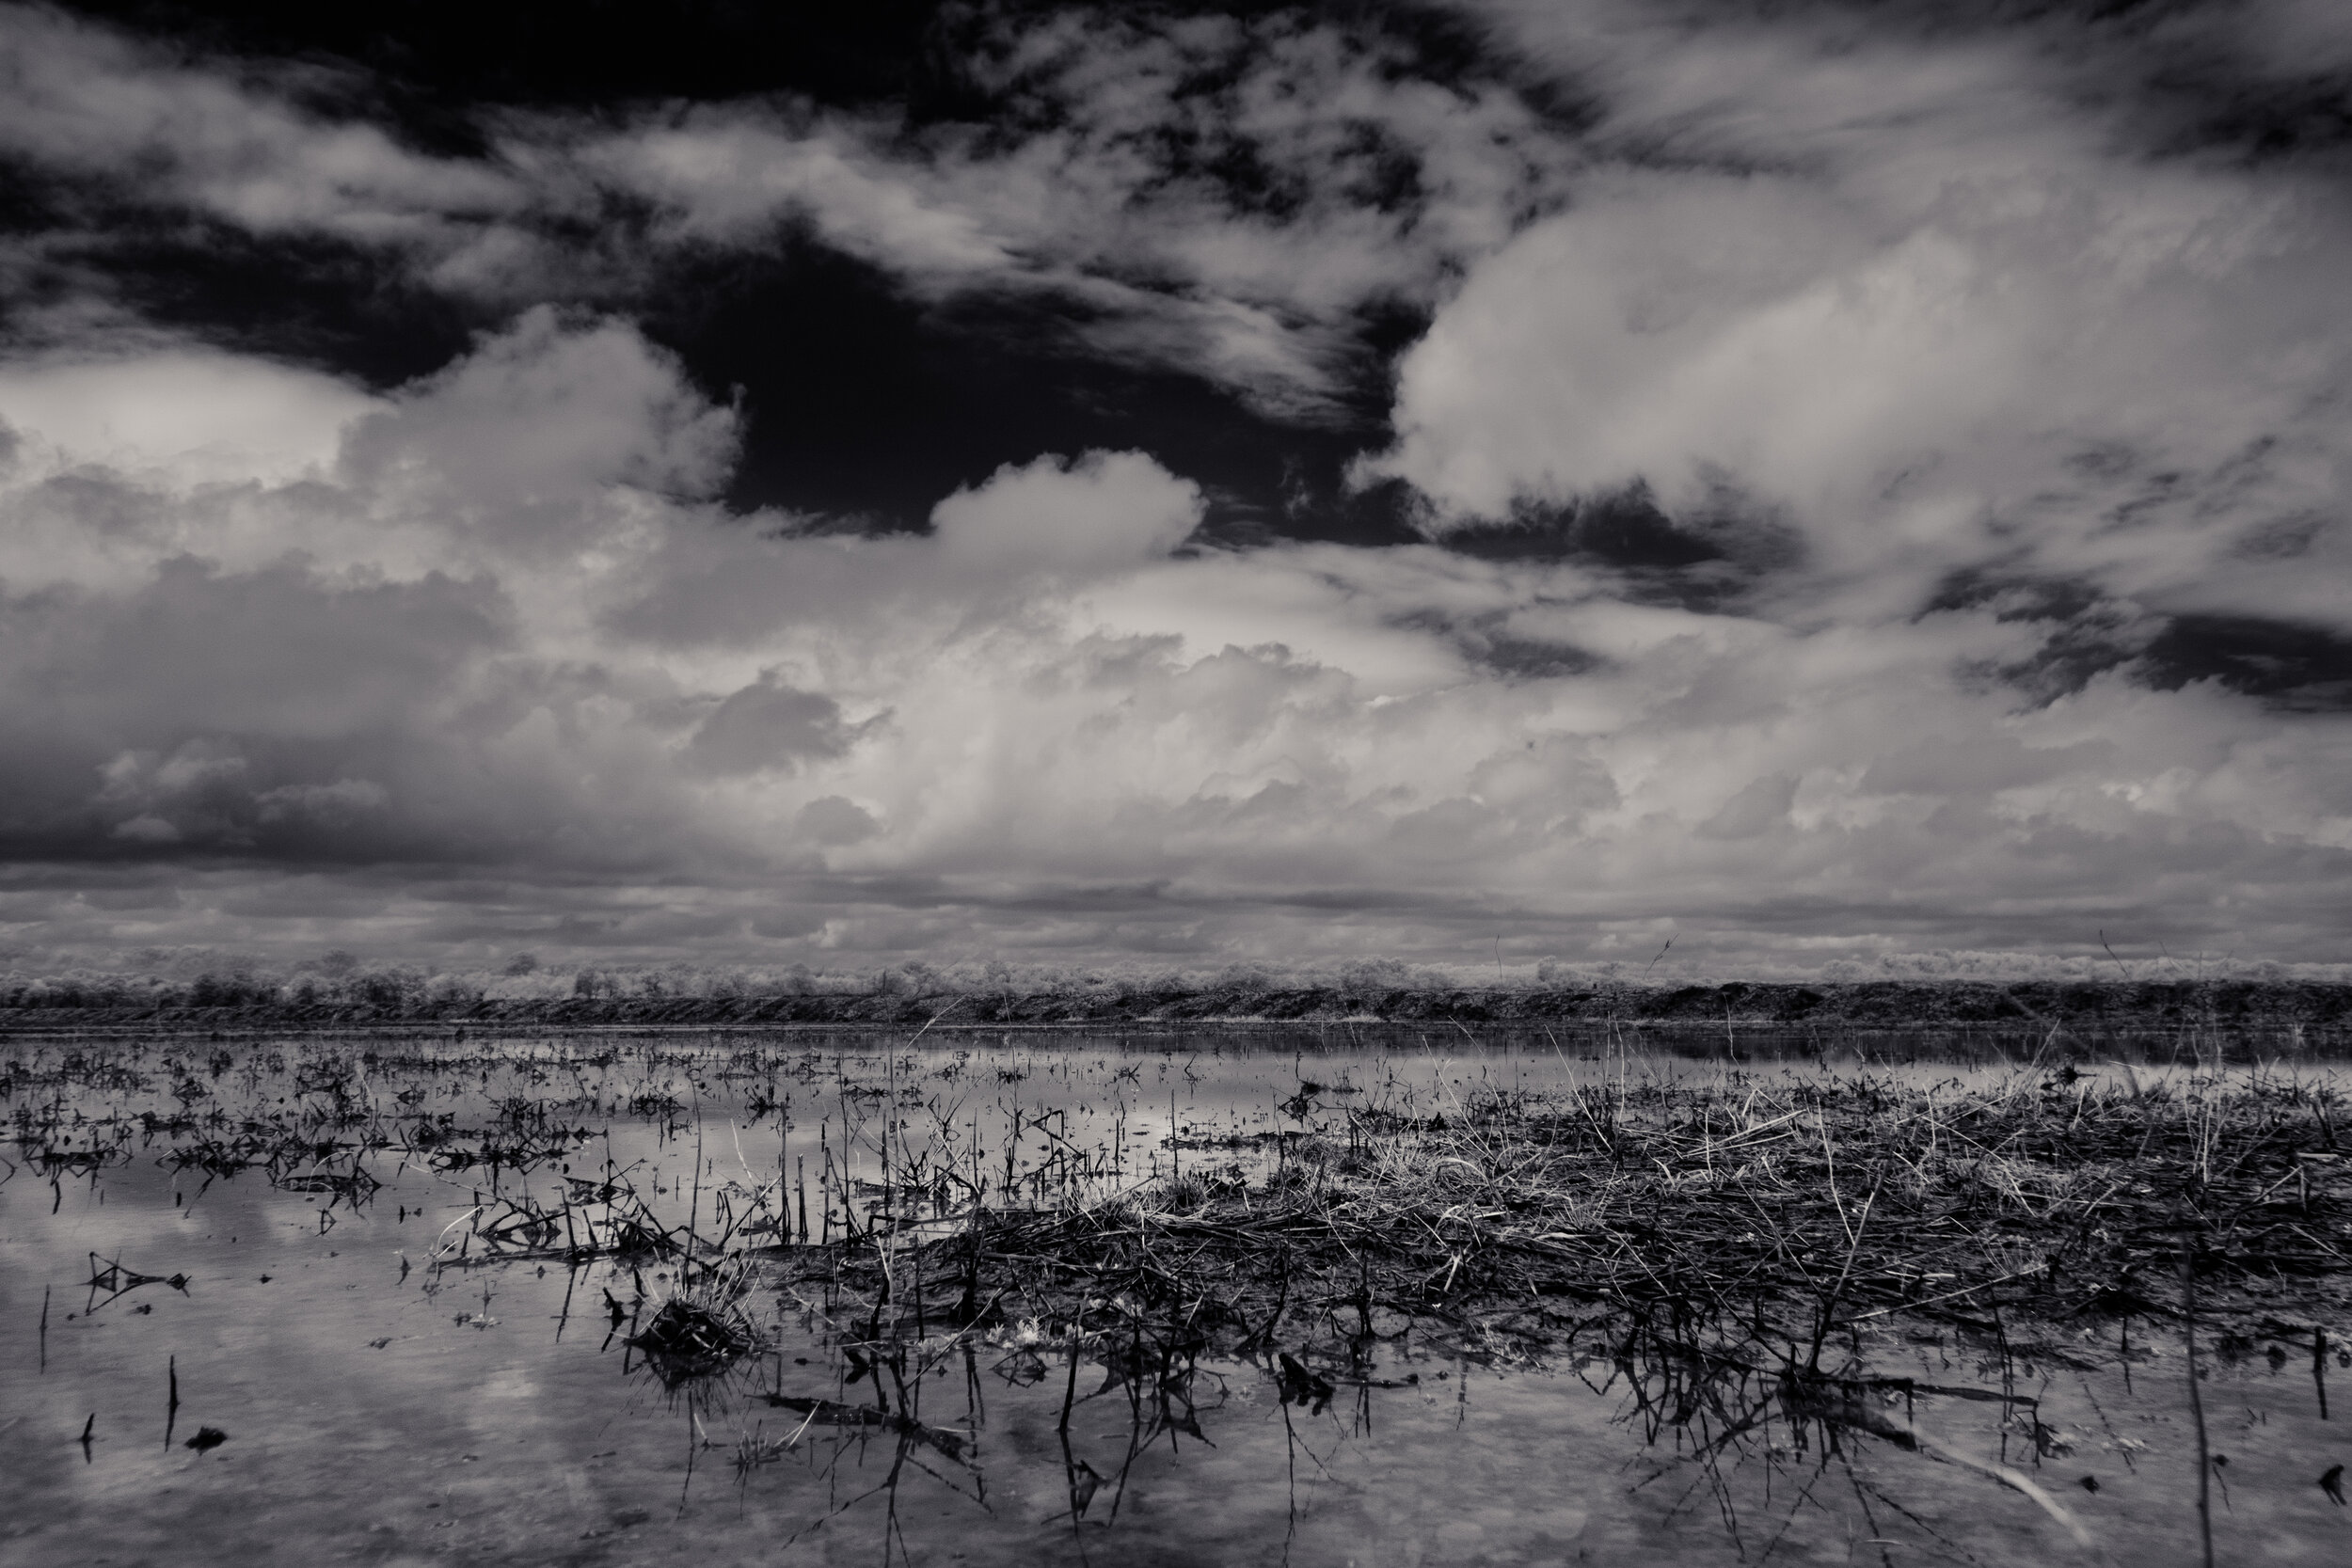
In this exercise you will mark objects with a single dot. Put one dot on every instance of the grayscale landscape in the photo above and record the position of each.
(1196, 782)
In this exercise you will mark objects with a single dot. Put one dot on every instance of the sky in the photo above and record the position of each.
(1176, 485)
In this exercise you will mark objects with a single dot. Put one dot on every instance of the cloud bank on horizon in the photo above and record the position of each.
(1520, 478)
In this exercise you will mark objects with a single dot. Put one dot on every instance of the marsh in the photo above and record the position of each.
(1305, 1295)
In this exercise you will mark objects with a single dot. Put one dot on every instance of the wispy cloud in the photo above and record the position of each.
(1222, 198)
(125, 119)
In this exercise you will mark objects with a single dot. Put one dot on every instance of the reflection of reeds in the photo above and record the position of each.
(1721, 1411)
(110, 1281)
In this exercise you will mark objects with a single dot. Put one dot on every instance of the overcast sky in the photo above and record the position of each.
(1058, 483)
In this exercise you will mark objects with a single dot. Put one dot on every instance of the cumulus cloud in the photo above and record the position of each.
(1038, 724)
(1928, 399)
(1105, 509)
(532, 431)
(193, 416)
(1923, 298)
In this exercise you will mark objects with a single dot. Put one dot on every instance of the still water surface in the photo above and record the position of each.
(389, 1390)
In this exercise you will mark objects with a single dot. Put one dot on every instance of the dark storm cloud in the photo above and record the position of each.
(208, 707)
(1039, 479)
(765, 725)
(277, 651)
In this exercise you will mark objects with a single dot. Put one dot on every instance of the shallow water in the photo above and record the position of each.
(393, 1390)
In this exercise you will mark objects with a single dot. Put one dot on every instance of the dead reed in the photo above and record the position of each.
(1769, 1216)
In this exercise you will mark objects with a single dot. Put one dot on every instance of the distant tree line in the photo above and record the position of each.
(340, 980)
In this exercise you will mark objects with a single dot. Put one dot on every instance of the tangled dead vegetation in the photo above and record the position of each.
(1754, 1218)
